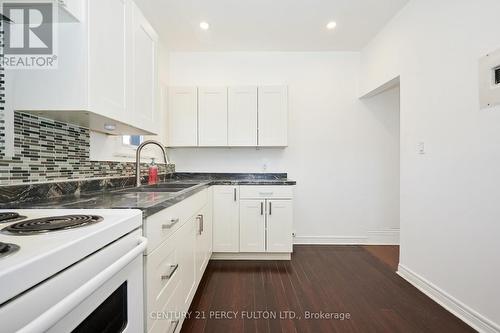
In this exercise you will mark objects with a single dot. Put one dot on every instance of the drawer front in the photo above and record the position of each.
(266, 192)
(167, 318)
(163, 273)
(160, 226)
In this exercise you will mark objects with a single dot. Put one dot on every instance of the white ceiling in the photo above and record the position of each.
(268, 25)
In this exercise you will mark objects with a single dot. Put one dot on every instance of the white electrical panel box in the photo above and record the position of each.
(489, 80)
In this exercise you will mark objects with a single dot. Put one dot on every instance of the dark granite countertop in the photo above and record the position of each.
(150, 202)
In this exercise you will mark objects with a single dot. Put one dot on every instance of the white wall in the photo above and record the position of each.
(450, 196)
(343, 153)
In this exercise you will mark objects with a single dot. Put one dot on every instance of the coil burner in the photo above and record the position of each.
(50, 224)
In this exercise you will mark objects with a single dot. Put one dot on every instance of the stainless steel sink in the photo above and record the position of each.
(165, 187)
(171, 185)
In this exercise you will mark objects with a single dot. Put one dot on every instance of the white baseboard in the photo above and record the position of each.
(383, 237)
(376, 237)
(462, 311)
(330, 240)
(251, 256)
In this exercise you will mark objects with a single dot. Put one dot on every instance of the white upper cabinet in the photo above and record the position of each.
(212, 116)
(273, 116)
(242, 116)
(108, 39)
(182, 117)
(70, 10)
(228, 117)
(106, 72)
(145, 76)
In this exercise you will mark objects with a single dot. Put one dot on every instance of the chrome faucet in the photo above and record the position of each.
(138, 158)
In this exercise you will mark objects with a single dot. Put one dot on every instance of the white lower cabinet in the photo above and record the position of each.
(226, 236)
(204, 237)
(255, 221)
(252, 226)
(177, 261)
(264, 224)
(187, 244)
(279, 226)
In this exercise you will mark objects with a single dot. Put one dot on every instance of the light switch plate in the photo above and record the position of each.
(489, 85)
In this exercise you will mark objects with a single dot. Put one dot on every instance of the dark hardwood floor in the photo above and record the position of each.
(355, 281)
(388, 254)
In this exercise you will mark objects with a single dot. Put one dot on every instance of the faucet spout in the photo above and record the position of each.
(138, 158)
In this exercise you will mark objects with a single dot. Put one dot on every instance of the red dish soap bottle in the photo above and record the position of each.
(153, 173)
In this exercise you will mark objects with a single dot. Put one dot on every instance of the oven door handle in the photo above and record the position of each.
(55, 313)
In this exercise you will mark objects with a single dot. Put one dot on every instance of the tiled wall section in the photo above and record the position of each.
(2, 96)
(47, 150)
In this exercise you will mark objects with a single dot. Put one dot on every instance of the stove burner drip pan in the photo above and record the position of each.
(11, 217)
(49, 224)
(7, 249)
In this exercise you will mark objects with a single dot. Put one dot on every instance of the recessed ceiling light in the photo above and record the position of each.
(204, 25)
(331, 25)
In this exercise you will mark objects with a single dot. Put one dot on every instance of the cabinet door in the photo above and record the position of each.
(108, 31)
(242, 116)
(70, 10)
(187, 262)
(226, 234)
(182, 117)
(203, 240)
(273, 116)
(279, 226)
(144, 111)
(252, 226)
(212, 115)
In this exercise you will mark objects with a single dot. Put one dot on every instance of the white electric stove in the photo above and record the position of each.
(71, 270)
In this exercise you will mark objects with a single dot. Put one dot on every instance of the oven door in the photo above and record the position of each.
(101, 294)
(113, 308)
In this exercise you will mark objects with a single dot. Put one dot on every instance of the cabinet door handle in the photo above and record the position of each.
(235, 194)
(171, 224)
(171, 272)
(200, 224)
(261, 208)
(270, 208)
(173, 326)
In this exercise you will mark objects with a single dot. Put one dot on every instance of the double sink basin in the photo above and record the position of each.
(135, 197)
(165, 187)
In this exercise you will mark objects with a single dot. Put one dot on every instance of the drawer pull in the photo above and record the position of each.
(173, 326)
(171, 272)
(171, 224)
(266, 193)
(200, 224)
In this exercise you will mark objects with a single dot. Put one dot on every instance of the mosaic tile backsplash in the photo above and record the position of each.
(47, 150)
(2, 96)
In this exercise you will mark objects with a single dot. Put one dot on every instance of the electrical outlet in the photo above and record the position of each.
(489, 80)
(421, 148)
